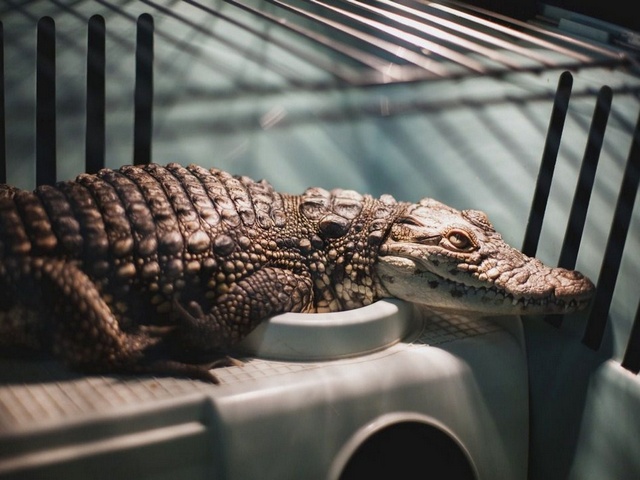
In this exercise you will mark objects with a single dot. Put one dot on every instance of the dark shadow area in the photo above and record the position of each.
(619, 12)
(28, 367)
(409, 450)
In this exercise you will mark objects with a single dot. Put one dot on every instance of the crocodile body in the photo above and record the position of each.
(159, 269)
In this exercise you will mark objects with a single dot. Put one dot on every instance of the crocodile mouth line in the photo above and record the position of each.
(497, 296)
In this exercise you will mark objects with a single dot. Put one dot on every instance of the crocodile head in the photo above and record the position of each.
(455, 260)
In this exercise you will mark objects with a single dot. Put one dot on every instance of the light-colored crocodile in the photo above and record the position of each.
(157, 269)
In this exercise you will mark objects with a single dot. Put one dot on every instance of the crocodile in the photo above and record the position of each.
(163, 269)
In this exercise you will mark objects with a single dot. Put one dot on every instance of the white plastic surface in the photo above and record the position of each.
(467, 375)
(275, 419)
(329, 336)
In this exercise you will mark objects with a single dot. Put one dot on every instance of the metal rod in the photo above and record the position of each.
(391, 48)
(288, 73)
(440, 34)
(470, 32)
(586, 178)
(524, 26)
(548, 164)
(407, 38)
(143, 95)
(444, 40)
(615, 245)
(46, 102)
(360, 56)
(96, 62)
(3, 141)
(631, 360)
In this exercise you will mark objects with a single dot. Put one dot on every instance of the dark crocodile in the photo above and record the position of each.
(157, 269)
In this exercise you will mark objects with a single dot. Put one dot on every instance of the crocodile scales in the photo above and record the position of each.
(163, 269)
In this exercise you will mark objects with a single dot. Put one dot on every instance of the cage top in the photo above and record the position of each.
(313, 43)
(388, 41)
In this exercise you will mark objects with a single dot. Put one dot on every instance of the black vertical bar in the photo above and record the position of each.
(615, 245)
(143, 97)
(46, 102)
(582, 196)
(3, 140)
(548, 164)
(631, 360)
(95, 132)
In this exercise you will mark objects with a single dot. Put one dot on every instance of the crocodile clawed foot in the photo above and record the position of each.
(195, 371)
(203, 371)
(172, 368)
(157, 331)
(226, 361)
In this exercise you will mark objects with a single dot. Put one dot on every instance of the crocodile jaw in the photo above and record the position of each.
(455, 260)
(406, 279)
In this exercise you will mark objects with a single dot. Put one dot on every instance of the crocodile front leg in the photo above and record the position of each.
(74, 319)
(237, 312)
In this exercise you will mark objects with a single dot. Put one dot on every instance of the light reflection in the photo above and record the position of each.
(272, 117)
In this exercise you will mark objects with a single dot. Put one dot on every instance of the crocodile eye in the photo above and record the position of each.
(460, 240)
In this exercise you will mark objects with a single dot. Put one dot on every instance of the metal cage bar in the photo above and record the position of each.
(586, 178)
(143, 96)
(598, 315)
(596, 324)
(475, 42)
(46, 102)
(631, 360)
(96, 63)
(3, 133)
(548, 164)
